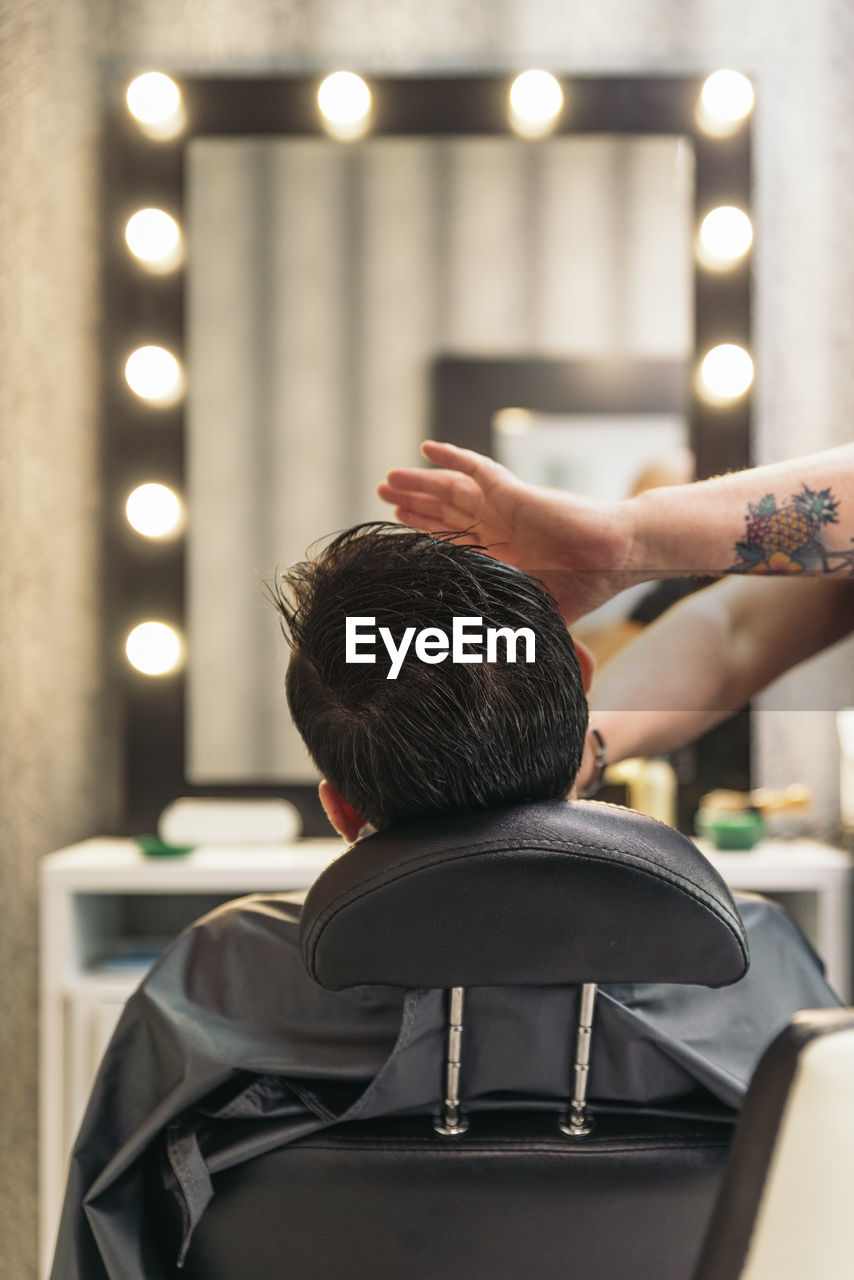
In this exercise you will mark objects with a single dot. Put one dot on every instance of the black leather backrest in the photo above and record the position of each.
(547, 892)
(512, 1199)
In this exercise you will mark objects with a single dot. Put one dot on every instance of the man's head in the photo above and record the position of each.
(449, 736)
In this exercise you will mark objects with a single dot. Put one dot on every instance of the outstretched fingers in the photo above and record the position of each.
(450, 496)
(432, 490)
(426, 511)
(482, 469)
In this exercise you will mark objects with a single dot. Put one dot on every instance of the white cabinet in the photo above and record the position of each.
(105, 909)
(814, 882)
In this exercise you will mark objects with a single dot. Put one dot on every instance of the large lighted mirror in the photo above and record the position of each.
(333, 303)
(325, 282)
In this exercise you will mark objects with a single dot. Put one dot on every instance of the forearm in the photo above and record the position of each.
(789, 517)
(669, 685)
(707, 656)
(645, 704)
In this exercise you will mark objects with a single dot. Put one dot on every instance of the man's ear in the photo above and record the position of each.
(587, 663)
(344, 818)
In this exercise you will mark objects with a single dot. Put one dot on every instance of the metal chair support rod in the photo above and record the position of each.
(577, 1122)
(453, 1122)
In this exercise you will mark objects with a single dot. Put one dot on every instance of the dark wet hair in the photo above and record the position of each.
(451, 737)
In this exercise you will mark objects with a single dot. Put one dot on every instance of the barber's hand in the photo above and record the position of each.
(580, 547)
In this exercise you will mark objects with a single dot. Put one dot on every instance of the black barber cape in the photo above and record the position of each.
(230, 1049)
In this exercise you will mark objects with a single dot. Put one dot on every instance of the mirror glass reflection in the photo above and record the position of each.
(323, 281)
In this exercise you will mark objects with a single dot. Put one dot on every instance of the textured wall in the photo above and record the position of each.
(54, 785)
(49, 698)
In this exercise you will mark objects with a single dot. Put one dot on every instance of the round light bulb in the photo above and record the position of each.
(726, 373)
(725, 236)
(345, 104)
(154, 374)
(154, 648)
(154, 510)
(154, 101)
(725, 100)
(154, 237)
(536, 100)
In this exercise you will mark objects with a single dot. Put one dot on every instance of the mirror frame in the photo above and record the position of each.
(146, 578)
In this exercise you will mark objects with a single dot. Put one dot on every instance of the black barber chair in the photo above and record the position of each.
(536, 894)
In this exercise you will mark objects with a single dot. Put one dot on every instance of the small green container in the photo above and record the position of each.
(154, 847)
(738, 830)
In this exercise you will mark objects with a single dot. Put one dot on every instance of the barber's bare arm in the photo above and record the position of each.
(792, 517)
(707, 656)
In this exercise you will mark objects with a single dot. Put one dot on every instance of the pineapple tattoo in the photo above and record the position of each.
(788, 539)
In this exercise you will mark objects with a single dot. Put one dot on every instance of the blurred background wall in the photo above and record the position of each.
(56, 753)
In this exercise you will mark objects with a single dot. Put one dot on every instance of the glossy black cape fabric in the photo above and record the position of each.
(230, 1048)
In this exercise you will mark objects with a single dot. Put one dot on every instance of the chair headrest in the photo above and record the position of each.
(548, 892)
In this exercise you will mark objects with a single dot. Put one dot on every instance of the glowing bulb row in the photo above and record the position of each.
(154, 237)
(154, 374)
(535, 102)
(154, 648)
(344, 100)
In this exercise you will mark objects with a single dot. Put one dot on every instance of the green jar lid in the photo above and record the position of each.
(733, 831)
(154, 847)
